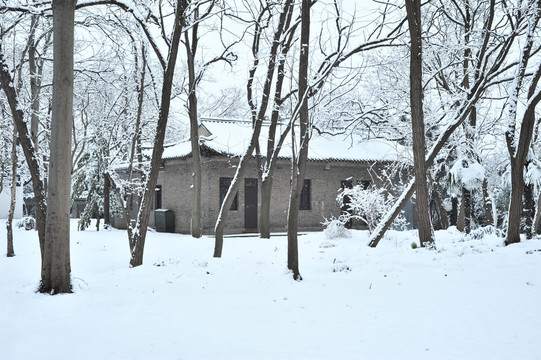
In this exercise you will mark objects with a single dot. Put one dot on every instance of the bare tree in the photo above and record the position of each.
(191, 41)
(298, 168)
(462, 23)
(426, 232)
(56, 266)
(518, 147)
(492, 63)
(333, 58)
(7, 82)
(266, 171)
(257, 119)
(137, 231)
(12, 202)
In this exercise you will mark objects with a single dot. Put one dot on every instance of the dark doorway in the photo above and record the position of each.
(250, 204)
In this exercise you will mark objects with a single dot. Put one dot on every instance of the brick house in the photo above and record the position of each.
(332, 163)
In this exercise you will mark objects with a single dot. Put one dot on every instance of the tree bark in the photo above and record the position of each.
(537, 216)
(191, 49)
(529, 210)
(264, 211)
(464, 221)
(515, 203)
(426, 233)
(273, 146)
(34, 87)
(489, 218)
(454, 211)
(9, 222)
(437, 209)
(469, 128)
(299, 164)
(56, 268)
(106, 202)
(518, 148)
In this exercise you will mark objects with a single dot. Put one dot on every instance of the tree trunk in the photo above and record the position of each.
(298, 168)
(191, 48)
(489, 212)
(537, 218)
(264, 212)
(454, 211)
(518, 148)
(273, 146)
(465, 211)
(460, 216)
(56, 268)
(34, 87)
(106, 202)
(529, 210)
(293, 224)
(515, 203)
(437, 209)
(138, 236)
(9, 222)
(426, 233)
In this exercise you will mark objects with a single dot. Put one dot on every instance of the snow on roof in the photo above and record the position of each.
(232, 138)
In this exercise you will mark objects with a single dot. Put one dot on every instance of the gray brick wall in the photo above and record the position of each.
(325, 178)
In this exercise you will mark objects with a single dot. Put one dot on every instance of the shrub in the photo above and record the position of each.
(27, 222)
(335, 229)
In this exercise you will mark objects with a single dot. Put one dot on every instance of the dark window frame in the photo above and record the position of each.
(223, 185)
(306, 195)
(158, 197)
(365, 184)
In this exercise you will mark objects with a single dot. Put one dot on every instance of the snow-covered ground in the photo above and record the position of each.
(470, 299)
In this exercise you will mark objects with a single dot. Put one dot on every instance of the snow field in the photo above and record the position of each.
(469, 299)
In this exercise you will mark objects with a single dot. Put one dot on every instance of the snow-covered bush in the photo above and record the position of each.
(27, 222)
(368, 205)
(468, 173)
(335, 229)
(484, 231)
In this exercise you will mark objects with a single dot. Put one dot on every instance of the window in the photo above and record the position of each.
(224, 186)
(365, 184)
(305, 196)
(346, 184)
(158, 197)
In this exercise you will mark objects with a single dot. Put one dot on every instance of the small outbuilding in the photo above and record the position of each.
(334, 162)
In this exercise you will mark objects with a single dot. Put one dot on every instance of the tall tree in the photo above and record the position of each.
(201, 10)
(266, 170)
(13, 188)
(518, 147)
(426, 232)
(298, 168)
(137, 233)
(332, 58)
(258, 117)
(492, 63)
(191, 49)
(7, 82)
(56, 266)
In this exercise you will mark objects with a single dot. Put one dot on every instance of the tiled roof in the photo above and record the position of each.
(232, 138)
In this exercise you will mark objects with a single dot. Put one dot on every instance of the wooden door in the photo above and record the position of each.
(250, 204)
